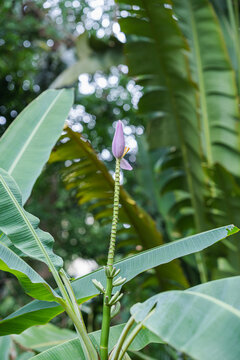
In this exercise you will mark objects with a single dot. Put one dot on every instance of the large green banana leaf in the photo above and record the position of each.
(228, 15)
(35, 313)
(213, 73)
(44, 337)
(156, 54)
(21, 227)
(33, 284)
(93, 184)
(202, 322)
(156, 45)
(41, 312)
(41, 338)
(26, 145)
(71, 350)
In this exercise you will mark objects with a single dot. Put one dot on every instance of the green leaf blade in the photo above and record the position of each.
(202, 322)
(42, 312)
(41, 338)
(33, 284)
(45, 339)
(21, 227)
(213, 72)
(33, 133)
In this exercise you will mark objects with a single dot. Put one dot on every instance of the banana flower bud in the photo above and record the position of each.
(118, 147)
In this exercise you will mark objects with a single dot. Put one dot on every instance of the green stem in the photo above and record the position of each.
(76, 316)
(122, 338)
(130, 340)
(107, 296)
(132, 336)
(83, 337)
(72, 296)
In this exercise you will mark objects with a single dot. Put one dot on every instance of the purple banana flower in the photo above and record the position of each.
(118, 147)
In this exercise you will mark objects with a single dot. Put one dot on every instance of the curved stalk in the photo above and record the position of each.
(107, 296)
(130, 340)
(89, 353)
(122, 338)
(131, 337)
(76, 316)
(72, 296)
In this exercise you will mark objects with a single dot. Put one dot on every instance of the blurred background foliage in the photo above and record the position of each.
(170, 71)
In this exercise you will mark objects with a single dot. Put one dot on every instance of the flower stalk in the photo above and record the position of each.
(109, 270)
(111, 305)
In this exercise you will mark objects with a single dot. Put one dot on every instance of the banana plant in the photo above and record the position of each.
(201, 322)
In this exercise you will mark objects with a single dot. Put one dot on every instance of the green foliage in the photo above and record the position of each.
(169, 101)
(203, 316)
(21, 227)
(67, 223)
(44, 116)
(213, 72)
(32, 283)
(183, 54)
(42, 338)
(190, 106)
(43, 312)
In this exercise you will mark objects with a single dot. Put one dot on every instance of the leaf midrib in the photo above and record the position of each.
(216, 301)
